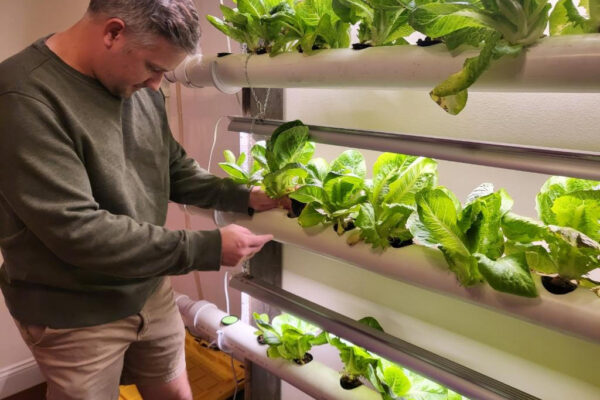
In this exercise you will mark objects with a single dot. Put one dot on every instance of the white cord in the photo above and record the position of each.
(226, 287)
(214, 142)
(228, 40)
(223, 347)
(235, 381)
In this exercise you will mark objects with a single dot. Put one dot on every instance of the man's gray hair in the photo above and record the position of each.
(175, 20)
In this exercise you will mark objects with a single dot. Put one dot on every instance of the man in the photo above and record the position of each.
(87, 167)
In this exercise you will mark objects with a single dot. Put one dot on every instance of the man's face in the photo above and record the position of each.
(130, 66)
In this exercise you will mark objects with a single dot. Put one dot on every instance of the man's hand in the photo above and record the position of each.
(239, 244)
(259, 201)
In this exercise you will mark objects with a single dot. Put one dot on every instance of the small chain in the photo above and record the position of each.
(246, 267)
(262, 107)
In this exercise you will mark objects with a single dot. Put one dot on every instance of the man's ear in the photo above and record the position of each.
(113, 31)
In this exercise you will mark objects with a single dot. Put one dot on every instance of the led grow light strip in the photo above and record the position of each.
(448, 373)
(578, 164)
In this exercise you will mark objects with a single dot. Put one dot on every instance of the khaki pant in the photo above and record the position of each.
(89, 363)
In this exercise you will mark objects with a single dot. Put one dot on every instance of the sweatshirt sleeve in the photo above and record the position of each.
(193, 185)
(43, 180)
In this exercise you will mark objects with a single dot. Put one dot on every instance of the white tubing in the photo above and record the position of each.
(555, 64)
(576, 313)
(314, 378)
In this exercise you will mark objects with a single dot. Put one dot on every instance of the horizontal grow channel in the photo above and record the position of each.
(555, 64)
(203, 319)
(576, 313)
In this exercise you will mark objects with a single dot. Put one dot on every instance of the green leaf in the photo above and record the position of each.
(353, 10)
(436, 225)
(311, 216)
(417, 174)
(522, 229)
(394, 378)
(229, 156)
(565, 19)
(573, 253)
(241, 159)
(318, 169)
(480, 191)
(397, 177)
(580, 211)
(284, 181)
(537, 256)
(234, 33)
(555, 187)
(576, 254)
(258, 154)
(371, 322)
(235, 172)
(374, 379)
(279, 130)
(470, 36)
(386, 170)
(451, 94)
(441, 19)
(253, 7)
(350, 162)
(367, 224)
(392, 221)
(308, 194)
(481, 221)
(425, 389)
(344, 191)
(508, 274)
(290, 146)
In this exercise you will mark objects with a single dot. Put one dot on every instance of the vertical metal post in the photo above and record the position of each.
(267, 264)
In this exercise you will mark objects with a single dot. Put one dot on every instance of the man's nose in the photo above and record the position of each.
(154, 81)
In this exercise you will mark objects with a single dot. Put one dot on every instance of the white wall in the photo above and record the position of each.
(21, 23)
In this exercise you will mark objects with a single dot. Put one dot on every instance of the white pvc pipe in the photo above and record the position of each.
(555, 64)
(576, 313)
(315, 379)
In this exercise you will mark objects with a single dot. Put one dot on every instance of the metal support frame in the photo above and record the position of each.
(578, 164)
(448, 373)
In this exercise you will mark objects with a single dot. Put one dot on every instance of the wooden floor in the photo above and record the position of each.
(209, 371)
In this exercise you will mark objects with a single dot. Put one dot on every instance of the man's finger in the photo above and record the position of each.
(259, 240)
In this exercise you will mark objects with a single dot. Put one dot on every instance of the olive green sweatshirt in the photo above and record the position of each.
(85, 178)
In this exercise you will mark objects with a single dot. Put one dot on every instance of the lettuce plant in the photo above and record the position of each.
(396, 180)
(356, 359)
(497, 27)
(312, 25)
(389, 380)
(567, 19)
(422, 389)
(382, 22)
(436, 224)
(257, 23)
(551, 249)
(337, 199)
(471, 238)
(289, 337)
(571, 202)
(283, 158)
(235, 169)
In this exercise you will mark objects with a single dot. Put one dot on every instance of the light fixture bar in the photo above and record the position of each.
(571, 163)
(448, 373)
